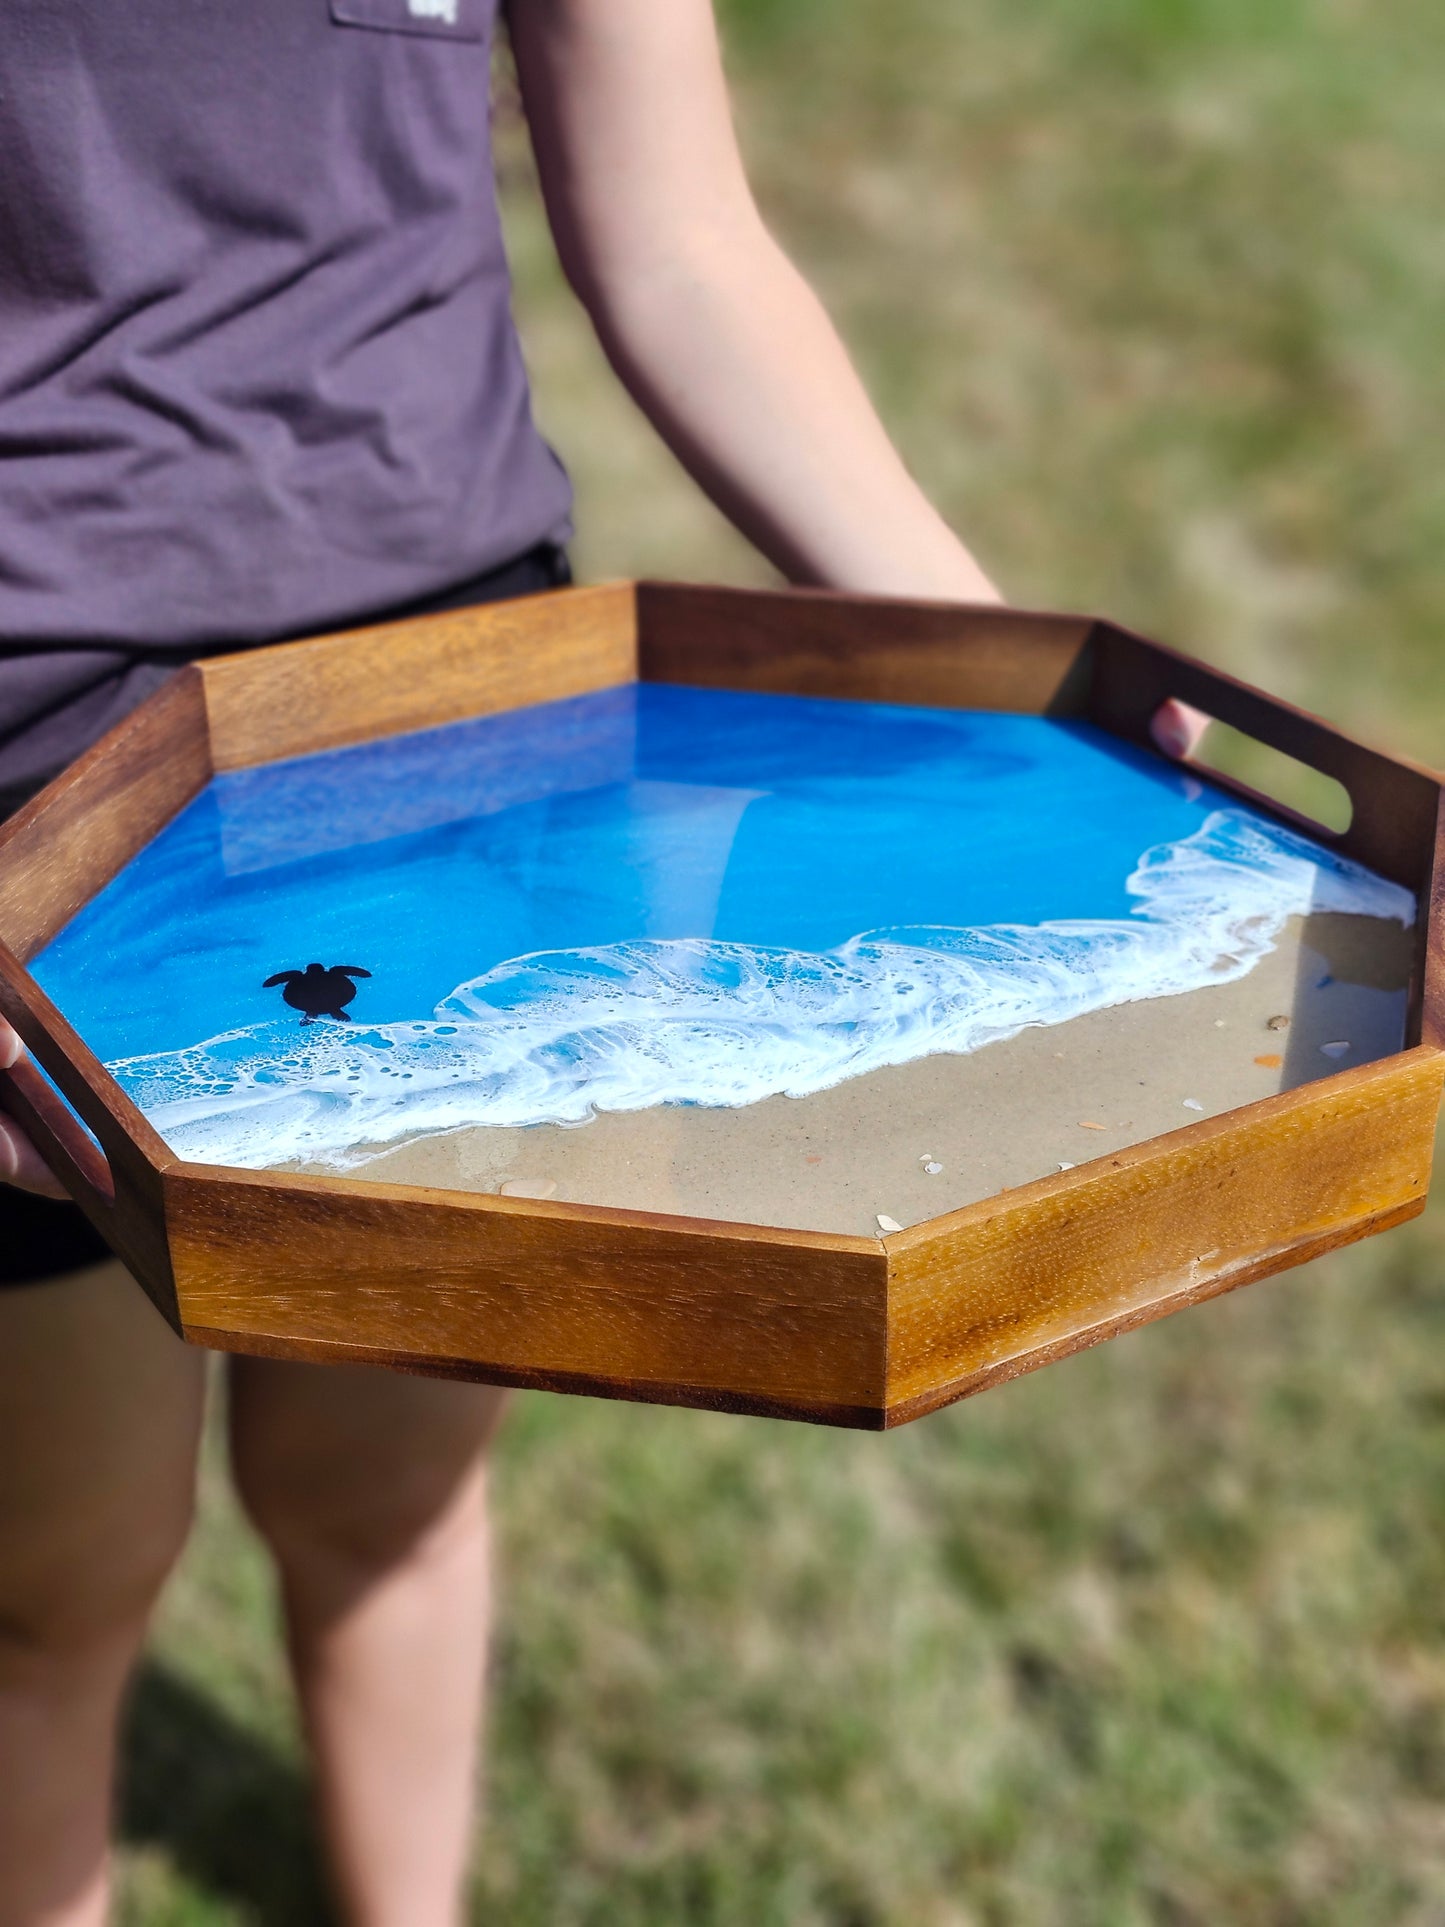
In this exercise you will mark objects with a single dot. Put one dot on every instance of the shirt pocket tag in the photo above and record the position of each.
(440, 19)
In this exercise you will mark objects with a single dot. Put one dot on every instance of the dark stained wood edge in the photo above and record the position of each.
(818, 642)
(70, 840)
(857, 1418)
(1396, 803)
(1427, 1016)
(1189, 1137)
(292, 699)
(1216, 1286)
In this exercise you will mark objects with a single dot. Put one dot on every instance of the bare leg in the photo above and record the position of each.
(100, 1410)
(370, 1489)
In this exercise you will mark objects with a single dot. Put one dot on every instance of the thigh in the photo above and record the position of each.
(44, 1238)
(100, 1412)
(354, 1453)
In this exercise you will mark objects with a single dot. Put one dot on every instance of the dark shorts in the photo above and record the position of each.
(40, 1239)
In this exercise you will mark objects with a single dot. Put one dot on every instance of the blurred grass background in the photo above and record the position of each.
(1149, 292)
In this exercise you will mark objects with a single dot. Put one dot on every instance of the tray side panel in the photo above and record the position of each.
(1117, 1324)
(802, 642)
(1006, 1286)
(498, 1290)
(1428, 1021)
(70, 840)
(269, 704)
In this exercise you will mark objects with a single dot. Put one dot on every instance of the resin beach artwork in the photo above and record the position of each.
(781, 959)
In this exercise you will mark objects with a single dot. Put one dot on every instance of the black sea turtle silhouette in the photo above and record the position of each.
(317, 992)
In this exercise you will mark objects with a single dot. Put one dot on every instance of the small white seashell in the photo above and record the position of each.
(885, 1223)
(1337, 1049)
(1192, 1104)
(932, 1168)
(1068, 1167)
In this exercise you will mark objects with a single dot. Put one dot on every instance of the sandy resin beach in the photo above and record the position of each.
(911, 1142)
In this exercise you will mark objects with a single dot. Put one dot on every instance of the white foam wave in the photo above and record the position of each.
(554, 1037)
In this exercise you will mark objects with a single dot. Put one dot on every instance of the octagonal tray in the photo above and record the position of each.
(783, 1002)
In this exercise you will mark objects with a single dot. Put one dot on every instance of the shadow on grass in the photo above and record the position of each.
(233, 1816)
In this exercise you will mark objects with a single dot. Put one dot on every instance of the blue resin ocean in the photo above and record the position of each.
(654, 895)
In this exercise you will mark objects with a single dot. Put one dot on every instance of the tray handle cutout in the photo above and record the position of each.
(1315, 798)
(90, 1134)
(62, 1140)
(85, 1128)
(1395, 806)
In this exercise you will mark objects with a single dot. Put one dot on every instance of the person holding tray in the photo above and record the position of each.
(259, 379)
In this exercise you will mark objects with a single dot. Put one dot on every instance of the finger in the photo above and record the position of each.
(22, 1165)
(1177, 729)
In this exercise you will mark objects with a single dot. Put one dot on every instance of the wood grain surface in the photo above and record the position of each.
(1427, 1016)
(70, 840)
(268, 704)
(1118, 1324)
(810, 642)
(519, 1292)
(1022, 1278)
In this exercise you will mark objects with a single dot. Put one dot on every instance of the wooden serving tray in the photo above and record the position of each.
(866, 1331)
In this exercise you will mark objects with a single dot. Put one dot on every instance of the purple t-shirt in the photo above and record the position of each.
(258, 371)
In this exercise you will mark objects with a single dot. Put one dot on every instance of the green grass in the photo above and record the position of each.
(1149, 292)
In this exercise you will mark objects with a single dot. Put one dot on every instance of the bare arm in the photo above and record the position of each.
(716, 335)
